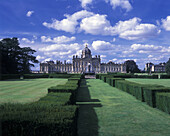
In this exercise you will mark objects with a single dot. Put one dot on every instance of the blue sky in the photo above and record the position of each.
(117, 30)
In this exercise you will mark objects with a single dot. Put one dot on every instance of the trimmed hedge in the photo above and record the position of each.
(164, 76)
(153, 95)
(48, 116)
(59, 76)
(9, 76)
(71, 86)
(32, 76)
(163, 102)
(125, 75)
(52, 115)
(113, 80)
(150, 94)
(108, 80)
(133, 88)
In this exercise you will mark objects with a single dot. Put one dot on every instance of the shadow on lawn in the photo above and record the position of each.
(87, 124)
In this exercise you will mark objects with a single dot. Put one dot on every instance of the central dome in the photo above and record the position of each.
(86, 52)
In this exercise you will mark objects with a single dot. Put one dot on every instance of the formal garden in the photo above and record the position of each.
(70, 105)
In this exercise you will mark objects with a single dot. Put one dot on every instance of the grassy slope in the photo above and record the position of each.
(164, 82)
(27, 90)
(118, 114)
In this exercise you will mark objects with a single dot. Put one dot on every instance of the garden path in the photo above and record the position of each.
(107, 111)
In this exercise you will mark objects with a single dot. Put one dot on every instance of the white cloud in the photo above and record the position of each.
(146, 48)
(114, 39)
(166, 23)
(125, 4)
(97, 24)
(59, 39)
(26, 40)
(84, 3)
(103, 56)
(29, 13)
(39, 57)
(150, 56)
(48, 59)
(61, 47)
(114, 60)
(69, 24)
(102, 45)
(130, 29)
(141, 31)
(62, 50)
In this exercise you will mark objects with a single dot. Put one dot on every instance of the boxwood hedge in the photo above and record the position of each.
(48, 116)
(163, 102)
(150, 94)
(52, 115)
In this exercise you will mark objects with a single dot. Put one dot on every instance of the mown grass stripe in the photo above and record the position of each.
(29, 92)
(119, 114)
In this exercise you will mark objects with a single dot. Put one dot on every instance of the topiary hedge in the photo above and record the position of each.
(51, 115)
(71, 86)
(165, 76)
(150, 94)
(136, 89)
(32, 76)
(9, 76)
(163, 102)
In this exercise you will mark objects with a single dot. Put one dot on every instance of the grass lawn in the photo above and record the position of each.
(27, 90)
(164, 82)
(107, 111)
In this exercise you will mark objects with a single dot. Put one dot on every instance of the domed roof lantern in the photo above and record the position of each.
(86, 50)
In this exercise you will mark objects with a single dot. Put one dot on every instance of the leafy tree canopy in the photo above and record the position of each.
(131, 66)
(15, 59)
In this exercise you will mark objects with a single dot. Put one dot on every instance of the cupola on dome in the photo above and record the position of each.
(86, 52)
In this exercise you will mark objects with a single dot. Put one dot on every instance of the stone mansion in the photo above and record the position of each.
(84, 64)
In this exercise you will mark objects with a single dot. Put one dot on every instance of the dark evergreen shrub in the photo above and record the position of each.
(150, 94)
(163, 102)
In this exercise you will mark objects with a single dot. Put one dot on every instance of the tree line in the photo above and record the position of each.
(15, 59)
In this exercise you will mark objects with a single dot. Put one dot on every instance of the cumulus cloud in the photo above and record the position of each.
(61, 47)
(62, 50)
(141, 31)
(84, 3)
(132, 29)
(96, 24)
(125, 4)
(69, 24)
(146, 48)
(102, 45)
(39, 57)
(150, 56)
(26, 40)
(59, 39)
(29, 13)
(166, 23)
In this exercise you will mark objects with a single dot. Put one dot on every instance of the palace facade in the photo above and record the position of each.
(84, 64)
(155, 67)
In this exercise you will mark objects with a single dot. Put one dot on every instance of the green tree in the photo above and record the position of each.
(15, 59)
(167, 66)
(131, 66)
